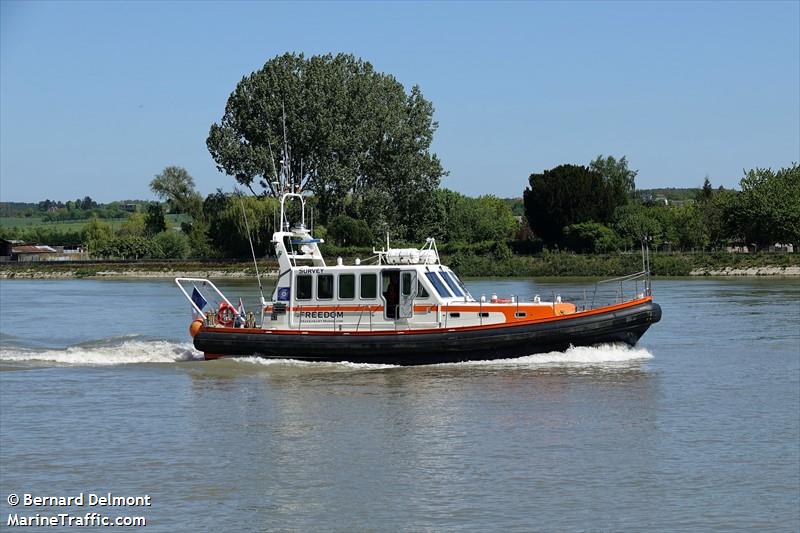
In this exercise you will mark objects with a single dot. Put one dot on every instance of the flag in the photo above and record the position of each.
(198, 299)
(240, 315)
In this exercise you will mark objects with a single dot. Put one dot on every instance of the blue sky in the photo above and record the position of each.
(97, 97)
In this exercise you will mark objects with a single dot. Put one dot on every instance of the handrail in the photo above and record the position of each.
(623, 278)
(204, 282)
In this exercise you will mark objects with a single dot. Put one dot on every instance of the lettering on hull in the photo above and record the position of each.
(319, 315)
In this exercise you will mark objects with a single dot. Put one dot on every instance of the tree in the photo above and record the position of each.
(129, 247)
(617, 175)
(690, 229)
(135, 225)
(591, 237)
(226, 231)
(356, 139)
(170, 245)
(473, 220)
(154, 221)
(96, 231)
(347, 231)
(718, 217)
(566, 195)
(87, 203)
(176, 186)
(768, 208)
(705, 194)
(635, 222)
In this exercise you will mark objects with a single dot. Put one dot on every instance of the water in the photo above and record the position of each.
(697, 428)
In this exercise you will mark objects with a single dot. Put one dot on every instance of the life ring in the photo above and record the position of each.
(226, 314)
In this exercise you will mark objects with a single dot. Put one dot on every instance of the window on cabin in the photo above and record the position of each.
(347, 286)
(483, 315)
(451, 282)
(406, 284)
(422, 292)
(369, 286)
(455, 315)
(438, 285)
(304, 284)
(324, 286)
(521, 315)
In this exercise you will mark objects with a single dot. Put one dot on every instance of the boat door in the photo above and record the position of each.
(399, 289)
(408, 289)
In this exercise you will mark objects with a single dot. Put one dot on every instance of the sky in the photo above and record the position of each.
(98, 97)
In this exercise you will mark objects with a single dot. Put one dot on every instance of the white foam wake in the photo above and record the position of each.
(344, 365)
(581, 356)
(98, 353)
(603, 354)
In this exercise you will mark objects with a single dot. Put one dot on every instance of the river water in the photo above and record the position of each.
(697, 428)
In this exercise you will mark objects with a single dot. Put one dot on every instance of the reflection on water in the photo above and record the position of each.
(695, 429)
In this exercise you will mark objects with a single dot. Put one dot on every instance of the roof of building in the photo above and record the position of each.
(33, 249)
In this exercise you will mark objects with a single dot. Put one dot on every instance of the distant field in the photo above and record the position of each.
(75, 225)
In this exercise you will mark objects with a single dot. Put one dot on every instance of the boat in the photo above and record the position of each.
(402, 307)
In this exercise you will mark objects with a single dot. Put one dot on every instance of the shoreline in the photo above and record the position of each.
(240, 271)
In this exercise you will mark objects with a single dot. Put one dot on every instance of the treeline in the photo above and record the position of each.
(570, 208)
(219, 223)
(59, 211)
(595, 208)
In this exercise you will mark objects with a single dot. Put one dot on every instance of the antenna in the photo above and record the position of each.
(252, 251)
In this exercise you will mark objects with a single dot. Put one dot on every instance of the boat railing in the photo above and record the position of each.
(617, 290)
(203, 283)
(605, 292)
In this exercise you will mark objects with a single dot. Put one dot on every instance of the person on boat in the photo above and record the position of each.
(392, 296)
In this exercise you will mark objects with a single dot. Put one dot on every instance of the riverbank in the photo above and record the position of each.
(135, 270)
(467, 265)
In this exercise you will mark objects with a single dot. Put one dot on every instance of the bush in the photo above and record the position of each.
(121, 248)
(590, 237)
(170, 245)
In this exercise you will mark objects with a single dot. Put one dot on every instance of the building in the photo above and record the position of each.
(33, 252)
(7, 248)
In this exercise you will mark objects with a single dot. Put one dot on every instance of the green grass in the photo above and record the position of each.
(76, 225)
(19, 222)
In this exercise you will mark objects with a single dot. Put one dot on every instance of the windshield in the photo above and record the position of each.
(438, 285)
(452, 283)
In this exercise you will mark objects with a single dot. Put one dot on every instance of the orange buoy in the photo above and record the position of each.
(195, 326)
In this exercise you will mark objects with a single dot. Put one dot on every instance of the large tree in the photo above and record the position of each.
(768, 208)
(566, 195)
(176, 186)
(355, 138)
(620, 178)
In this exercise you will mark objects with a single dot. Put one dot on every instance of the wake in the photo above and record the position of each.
(116, 351)
(129, 350)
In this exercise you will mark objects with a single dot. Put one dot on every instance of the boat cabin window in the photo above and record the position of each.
(369, 286)
(451, 282)
(347, 286)
(438, 285)
(406, 284)
(324, 286)
(422, 292)
(304, 287)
